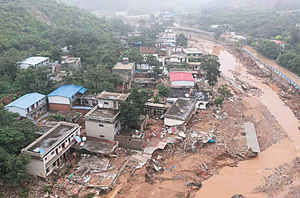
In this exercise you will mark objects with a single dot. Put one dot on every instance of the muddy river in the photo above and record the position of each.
(272, 63)
(248, 174)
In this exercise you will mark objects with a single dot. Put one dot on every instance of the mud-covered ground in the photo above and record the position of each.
(181, 167)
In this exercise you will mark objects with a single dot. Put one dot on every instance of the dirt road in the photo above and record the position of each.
(248, 175)
(290, 75)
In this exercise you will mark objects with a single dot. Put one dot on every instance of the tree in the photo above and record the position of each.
(139, 98)
(14, 135)
(217, 33)
(182, 40)
(295, 36)
(152, 61)
(129, 114)
(211, 67)
(13, 167)
(33, 79)
(218, 101)
(163, 91)
(134, 55)
(269, 49)
(56, 53)
(225, 92)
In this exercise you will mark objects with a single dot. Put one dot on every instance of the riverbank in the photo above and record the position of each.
(276, 106)
(225, 168)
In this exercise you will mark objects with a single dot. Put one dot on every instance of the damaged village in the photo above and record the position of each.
(190, 115)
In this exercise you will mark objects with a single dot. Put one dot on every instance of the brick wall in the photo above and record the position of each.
(59, 107)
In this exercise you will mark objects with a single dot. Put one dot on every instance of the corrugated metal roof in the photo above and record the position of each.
(34, 60)
(67, 91)
(26, 101)
(181, 76)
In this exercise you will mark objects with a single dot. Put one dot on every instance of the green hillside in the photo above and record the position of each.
(43, 27)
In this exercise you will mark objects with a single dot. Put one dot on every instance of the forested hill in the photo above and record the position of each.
(43, 27)
(36, 25)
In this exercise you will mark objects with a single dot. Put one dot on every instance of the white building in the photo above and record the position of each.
(193, 52)
(108, 100)
(30, 105)
(35, 62)
(50, 150)
(182, 79)
(103, 120)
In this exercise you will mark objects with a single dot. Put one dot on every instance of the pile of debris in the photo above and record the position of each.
(282, 176)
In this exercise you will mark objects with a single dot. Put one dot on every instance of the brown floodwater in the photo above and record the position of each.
(248, 174)
(272, 63)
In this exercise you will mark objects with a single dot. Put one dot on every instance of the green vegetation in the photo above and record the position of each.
(14, 135)
(129, 114)
(42, 27)
(225, 92)
(163, 91)
(140, 97)
(211, 66)
(182, 40)
(269, 49)
(132, 109)
(218, 101)
(261, 26)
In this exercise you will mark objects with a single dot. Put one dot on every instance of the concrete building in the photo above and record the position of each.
(182, 79)
(126, 70)
(133, 138)
(103, 120)
(35, 62)
(50, 150)
(71, 62)
(30, 105)
(109, 100)
(171, 37)
(88, 100)
(102, 123)
(192, 52)
(180, 112)
(63, 97)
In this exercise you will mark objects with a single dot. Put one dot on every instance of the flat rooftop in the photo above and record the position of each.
(51, 137)
(97, 146)
(112, 96)
(105, 113)
(34, 60)
(121, 66)
(181, 109)
(192, 51)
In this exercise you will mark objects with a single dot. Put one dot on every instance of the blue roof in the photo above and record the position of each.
(67, 91)
(84, 108)
(26, 101)
(171, 44)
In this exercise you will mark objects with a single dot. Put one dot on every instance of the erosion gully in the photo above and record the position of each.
(248, 174)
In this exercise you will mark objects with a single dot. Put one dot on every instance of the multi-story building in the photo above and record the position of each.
(50, 150)
(30, 105)
(126, 70)
(103, 120)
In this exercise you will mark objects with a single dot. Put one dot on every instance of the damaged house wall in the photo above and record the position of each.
(100, 129)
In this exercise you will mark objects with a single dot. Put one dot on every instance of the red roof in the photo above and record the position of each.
(147, 50)
(181, 76)
(278, 42)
